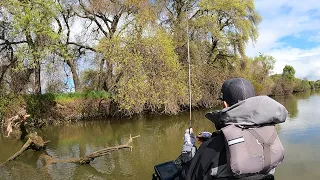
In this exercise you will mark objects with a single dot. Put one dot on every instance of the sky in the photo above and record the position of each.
(290, 32)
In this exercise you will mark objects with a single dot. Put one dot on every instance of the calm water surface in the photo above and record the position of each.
(160, 141)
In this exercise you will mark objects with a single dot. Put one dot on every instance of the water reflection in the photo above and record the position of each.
(291, 104)
(160, 141)
(300, 137)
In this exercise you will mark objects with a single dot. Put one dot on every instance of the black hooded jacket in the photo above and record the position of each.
(210, 162)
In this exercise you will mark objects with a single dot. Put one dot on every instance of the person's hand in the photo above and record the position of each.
(203, 136)
(189, 138)
(188, 148)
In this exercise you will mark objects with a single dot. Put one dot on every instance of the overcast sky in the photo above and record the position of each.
(290, 32)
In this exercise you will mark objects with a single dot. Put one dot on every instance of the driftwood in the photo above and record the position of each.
(34, 142)
(90, 157)
(16, 122)
(10, 123)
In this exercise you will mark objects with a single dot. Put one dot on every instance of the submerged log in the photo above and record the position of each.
(34, 142)
(90, 157)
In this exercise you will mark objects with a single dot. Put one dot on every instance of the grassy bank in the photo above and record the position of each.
(55, 108)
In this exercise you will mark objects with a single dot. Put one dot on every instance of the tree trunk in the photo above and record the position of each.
(36, 58)
(109, 80)
(75, 77)
(37, 77)
(100, 78)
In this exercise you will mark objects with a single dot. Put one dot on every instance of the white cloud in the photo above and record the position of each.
(315, 38)
(305, 62)
(285, 18)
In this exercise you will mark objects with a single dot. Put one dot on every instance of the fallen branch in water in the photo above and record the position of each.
(34, 142)
(90, 157)
(16, 122)
(10, 123)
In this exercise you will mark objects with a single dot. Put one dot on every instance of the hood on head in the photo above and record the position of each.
(253, 111)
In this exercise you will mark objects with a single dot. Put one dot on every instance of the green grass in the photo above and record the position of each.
(83, 95)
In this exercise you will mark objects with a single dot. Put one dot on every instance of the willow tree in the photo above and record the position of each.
(33, 33)
(226, 26)
(150, 75)
(218, 32)
(173, 15)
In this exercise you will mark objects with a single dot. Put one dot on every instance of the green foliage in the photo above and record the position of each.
(316, 84)
(282, 86)
(257, 71)
(39, 105)
(286, 83)
(33, 34)
(151, 76)
(89, 80)
(54, 87)
(231, 23)
(43, 105)
(265, 63)
(312, 84)
(83, 95)
(301, 85)
(33, 19)
(289, 73)
(9, 104)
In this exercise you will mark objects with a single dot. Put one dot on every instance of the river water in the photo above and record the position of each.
(160, 140)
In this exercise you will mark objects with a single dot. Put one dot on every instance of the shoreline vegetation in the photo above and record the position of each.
(129, 58)
(49, 109)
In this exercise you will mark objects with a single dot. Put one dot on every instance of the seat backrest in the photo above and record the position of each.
(251, 151)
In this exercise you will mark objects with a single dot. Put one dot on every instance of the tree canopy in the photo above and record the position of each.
(289, 72)
(134, 50)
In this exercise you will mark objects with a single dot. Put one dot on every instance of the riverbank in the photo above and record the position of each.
(52, 109)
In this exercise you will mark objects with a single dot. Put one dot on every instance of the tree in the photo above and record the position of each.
(265, 63)
(223, 26)
(33, 35)
(150, 75)
(226, 26)
(70, 51)
(173, 16)
(105, 16)
(289, 73)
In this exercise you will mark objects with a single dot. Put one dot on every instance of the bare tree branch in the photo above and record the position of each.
(12, 43)
(83, 46)
(92, 18)
(90, 157)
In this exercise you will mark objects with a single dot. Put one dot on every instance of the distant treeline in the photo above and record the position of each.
(277, 84)
(131, 55)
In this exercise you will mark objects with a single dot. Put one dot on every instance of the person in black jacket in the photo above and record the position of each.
(210, 160)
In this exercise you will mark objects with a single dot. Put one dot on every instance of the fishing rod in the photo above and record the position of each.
(189, 65)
